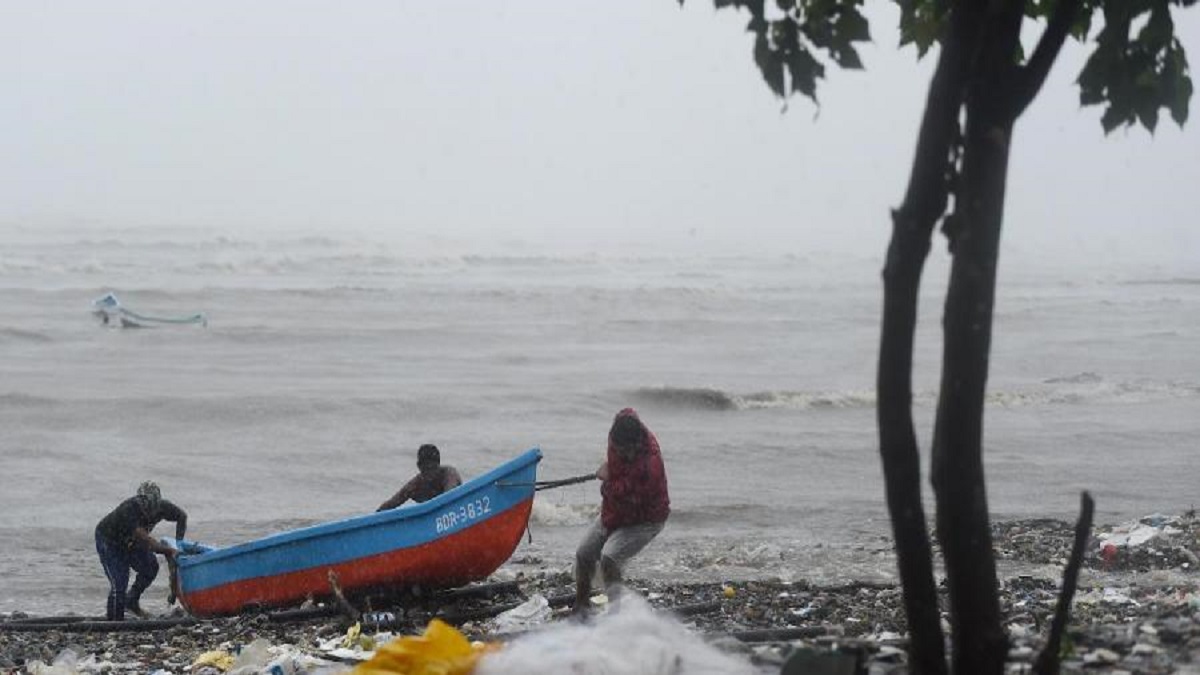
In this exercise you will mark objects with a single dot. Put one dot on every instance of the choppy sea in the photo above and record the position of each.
(328, 360)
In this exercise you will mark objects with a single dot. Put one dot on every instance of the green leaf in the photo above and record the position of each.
(1147, 112)
(1082, 25)
(1159, 29)
(925, 33)
(770, 64)
(755, 6)
(1090, 97)
(853, 27)
(1179, 102)
(1112, 119)
(847, 57)
(784, 35)
(819, 32)
(805, 70)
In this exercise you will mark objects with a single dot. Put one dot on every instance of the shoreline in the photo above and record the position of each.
(1149, 625)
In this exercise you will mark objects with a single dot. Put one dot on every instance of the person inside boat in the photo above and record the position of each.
(123, 542)
(633, 509)
(434, 479)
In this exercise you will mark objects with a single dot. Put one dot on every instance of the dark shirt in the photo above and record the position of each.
(425, 486)
(118, 527)
(636, 489)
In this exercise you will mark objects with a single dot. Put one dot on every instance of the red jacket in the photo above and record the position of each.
(636, 490)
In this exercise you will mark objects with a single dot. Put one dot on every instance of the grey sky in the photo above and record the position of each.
(571, 126)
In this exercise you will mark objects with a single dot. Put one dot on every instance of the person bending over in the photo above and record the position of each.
(433, 479)
(123, 542)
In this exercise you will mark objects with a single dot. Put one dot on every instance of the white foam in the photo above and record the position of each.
(632, 640)
(546, 512)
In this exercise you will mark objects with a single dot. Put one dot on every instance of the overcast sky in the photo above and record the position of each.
(572, 126)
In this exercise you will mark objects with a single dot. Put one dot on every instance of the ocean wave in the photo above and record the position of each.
(707, 398)
(1168, 281)
(1086, 377)
(546, 512)
(14, 400)
(18, 335)
(1091, 388)
(1080, 388)
(752, 555)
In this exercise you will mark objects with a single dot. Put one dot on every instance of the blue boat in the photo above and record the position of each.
(455, 538)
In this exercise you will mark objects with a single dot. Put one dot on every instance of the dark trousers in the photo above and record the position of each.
(117, 560)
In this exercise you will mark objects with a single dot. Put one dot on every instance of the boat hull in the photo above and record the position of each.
(461, 536)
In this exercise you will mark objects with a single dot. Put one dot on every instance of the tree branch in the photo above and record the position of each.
(912, 229)
(1047, 662)
(1031, 77)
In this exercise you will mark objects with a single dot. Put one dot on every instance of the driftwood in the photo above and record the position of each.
(348, 610)
(1047, 661)
(778, 634)
(89, 626)
(71, 618)
(479, 591)
(449, 595)
(380, 620)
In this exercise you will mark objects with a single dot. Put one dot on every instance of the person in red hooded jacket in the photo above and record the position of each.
(634, 506)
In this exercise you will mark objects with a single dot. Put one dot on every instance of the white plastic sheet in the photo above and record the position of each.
(633, 641)
(533, 612)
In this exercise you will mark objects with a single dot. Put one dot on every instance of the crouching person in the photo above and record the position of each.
(633, 510)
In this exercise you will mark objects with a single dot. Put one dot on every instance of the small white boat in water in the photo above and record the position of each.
(111, 313)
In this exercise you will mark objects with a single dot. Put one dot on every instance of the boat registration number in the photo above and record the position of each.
(464, 514)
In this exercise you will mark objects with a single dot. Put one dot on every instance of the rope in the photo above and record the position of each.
(549, 484)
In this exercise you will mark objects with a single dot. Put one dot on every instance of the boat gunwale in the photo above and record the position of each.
(354, 523)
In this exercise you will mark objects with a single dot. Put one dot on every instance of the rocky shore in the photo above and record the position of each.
(1137, 610)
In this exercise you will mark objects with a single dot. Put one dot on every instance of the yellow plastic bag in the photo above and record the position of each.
(441, 650)
(356, 640)
(217, 659)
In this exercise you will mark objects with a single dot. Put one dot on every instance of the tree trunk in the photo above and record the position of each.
(912, 230)
(976, 66)
(980, 644)
(964, 530)
(898, 446)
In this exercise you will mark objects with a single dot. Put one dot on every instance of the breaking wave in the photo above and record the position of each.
(720, 400)
(1080, 388)
(705, 398)
(1089, 387)
(546, 512)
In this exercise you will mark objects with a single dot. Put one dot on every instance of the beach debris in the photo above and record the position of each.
(440, 650)
(634, 640)
(534, 611)
(251, 658)
(354, 639)
(807, 661)
(1155, 541)
(66, 663)
(1151, 622)
(217, 658)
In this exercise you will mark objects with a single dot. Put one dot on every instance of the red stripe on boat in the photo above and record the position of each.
(465, 556)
